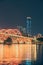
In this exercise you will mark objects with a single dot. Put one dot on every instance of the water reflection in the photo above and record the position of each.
(21, 54)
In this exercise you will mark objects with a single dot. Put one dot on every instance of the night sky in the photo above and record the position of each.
(14, 12)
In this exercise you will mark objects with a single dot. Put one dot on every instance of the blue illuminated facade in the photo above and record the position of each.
(28, 28)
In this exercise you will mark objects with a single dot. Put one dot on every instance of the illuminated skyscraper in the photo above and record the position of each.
(28, 27)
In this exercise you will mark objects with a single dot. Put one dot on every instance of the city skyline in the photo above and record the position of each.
(14, 12)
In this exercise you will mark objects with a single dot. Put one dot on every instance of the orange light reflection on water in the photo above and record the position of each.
(15, 52)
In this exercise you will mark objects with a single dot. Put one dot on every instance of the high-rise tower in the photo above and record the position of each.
(28, 27)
